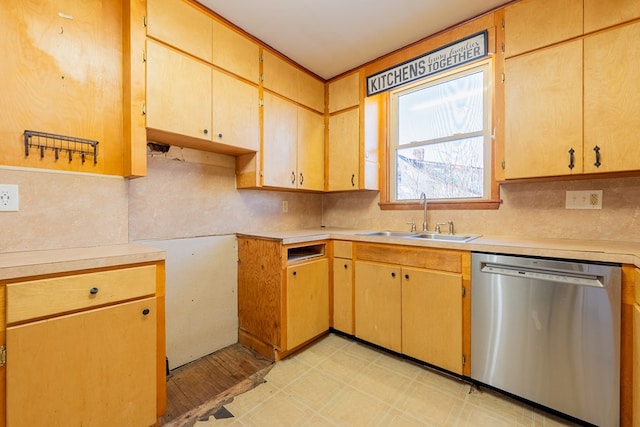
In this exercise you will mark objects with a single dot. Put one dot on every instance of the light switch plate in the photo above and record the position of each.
(8, 198)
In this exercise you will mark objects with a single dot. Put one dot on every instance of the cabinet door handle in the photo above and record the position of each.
(345, 266)
(295, 273)
(93, 291)
(293, 178)
(597, 150)
(220, 135)
(393, 274)
(146, 311)
(571, 158)
(353, 180)
(406, 276)
(206, 131)
(301, 178)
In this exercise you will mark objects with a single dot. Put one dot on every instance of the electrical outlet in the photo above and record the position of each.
(8, 198)
(285, 206)
(588, 199)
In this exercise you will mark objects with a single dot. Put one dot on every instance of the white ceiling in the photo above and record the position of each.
(329, 37)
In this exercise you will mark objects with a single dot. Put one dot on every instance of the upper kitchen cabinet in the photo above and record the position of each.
(543, 117)
(611, 100)
(181, 25)
(62, 73)
(202, 89)
(293, 148)
(343, 154)
(291, 82)
(532, 24)
(600, 14)
(235, 53)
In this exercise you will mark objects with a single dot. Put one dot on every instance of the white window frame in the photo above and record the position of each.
(486, 67)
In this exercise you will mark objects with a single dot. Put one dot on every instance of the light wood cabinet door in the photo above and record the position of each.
(178, 93)
(612, 100)
(310, 163)
(344, 151)
(600, 14)
(235, 110)
(532, 24)
(432, 317)
(181, 25)
(378, 304)
(343, 295)
(307, 301)
(235, 52)
(279, 151)
(344, 93)
(543, 112)
(636, 364)
(91, 368)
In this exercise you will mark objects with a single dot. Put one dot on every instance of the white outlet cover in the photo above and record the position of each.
(9, 198)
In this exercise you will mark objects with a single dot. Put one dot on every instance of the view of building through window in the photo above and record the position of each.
(440, 138)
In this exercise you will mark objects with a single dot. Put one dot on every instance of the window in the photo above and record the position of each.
(440, 142)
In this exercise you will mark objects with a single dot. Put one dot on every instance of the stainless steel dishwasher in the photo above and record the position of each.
(548, 331)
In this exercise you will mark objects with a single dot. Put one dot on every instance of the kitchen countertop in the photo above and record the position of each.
(588, 250)
(15, 265)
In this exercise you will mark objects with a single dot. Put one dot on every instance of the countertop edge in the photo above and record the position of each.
(15, 265)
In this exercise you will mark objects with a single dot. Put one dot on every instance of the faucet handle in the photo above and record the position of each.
(450, 227)
(413, 226)
(437, 229)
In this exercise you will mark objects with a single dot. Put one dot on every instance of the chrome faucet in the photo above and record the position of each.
(423, 199)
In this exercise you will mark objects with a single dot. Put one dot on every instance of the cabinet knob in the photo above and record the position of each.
(206, 131)
(345, 266)
(220, 135)
(406, 276)
(93, 291)
(146, 311)
(393, 274)
(295, 273)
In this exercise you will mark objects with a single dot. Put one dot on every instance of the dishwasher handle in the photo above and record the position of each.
(568, 277)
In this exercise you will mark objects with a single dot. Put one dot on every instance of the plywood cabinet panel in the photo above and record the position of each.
(91, 368)
(343, 295)
(280, 143)
(181, 25)
(307, 301)
(179, 91)
(600, 14)
(235, 52)
(532, 24)
(543, 98)
(636, 364)
(612, 100)
(344, 92)
(235, 111)
(344, 151)
(310, 146)
(432, 317)
(378, 296)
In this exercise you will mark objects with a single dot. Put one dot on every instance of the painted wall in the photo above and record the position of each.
(528, 210)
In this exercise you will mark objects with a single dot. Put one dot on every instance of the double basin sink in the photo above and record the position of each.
(424, 235)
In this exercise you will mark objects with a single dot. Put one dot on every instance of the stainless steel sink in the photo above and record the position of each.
(446, 237)
(423, 235)
(389, 234)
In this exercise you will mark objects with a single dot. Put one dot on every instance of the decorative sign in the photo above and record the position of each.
(455, 54)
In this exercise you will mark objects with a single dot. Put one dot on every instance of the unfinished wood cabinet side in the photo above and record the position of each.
(260, 277)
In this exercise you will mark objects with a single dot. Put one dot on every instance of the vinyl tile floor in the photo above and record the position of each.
(341, 382)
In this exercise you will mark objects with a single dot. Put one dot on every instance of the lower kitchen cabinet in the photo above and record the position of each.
(415, 301)
(307, 301)
(283, 294)
(432, 317)
(378, 296)
(342, 298)
(84, 347)
(636, 365)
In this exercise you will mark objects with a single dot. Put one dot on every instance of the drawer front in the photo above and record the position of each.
(341, 249)
(48, 297)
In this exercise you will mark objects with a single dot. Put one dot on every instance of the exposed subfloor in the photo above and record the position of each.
(201, 387)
